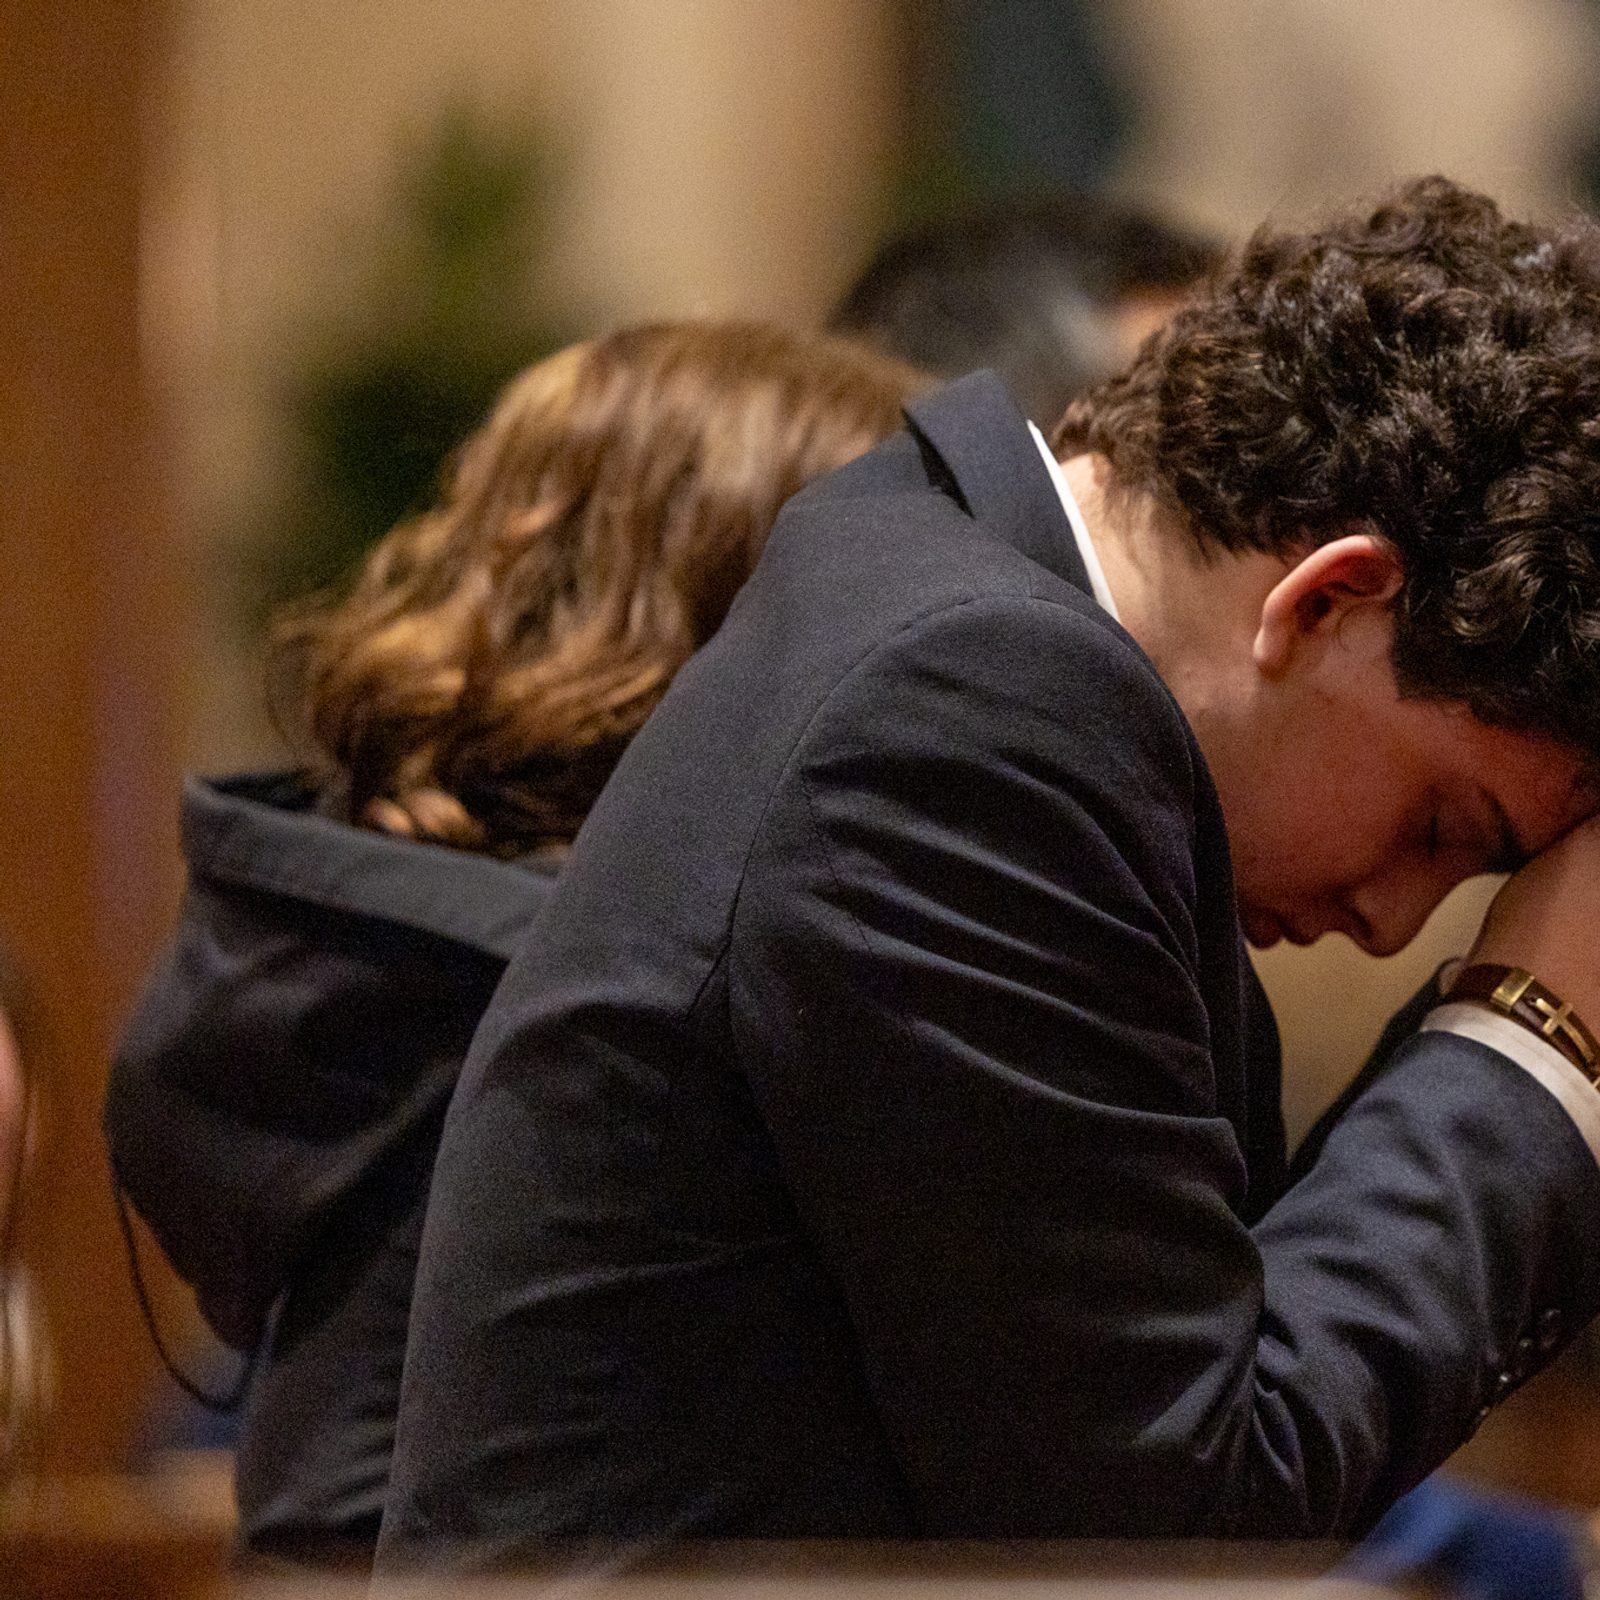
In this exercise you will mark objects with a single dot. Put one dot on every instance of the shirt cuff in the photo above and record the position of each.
(1579, 1098)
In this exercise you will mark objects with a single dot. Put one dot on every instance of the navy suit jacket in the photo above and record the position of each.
(879, 1134)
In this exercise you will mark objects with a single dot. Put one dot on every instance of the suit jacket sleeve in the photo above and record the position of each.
(967, 978)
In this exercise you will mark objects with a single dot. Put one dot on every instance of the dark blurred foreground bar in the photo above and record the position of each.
(130, 1538)
(976, 1571)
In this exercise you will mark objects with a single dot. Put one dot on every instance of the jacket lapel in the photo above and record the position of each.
(980, 437)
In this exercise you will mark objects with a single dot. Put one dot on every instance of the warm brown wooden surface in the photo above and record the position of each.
(89, 628)
(127, 1538)
(1544, 1441)
(72, 1538)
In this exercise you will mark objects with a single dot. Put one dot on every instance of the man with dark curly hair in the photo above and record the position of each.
(879, 1136)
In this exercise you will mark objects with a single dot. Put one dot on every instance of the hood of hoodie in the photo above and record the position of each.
(304, 1028)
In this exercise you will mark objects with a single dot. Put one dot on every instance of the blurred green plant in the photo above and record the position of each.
(444, 314)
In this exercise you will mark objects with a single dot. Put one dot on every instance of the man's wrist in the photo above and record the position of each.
(1514, 993)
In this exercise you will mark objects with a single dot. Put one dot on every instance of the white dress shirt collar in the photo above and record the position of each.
(1080, 528)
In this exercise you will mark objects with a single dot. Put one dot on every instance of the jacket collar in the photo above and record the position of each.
(980, 438)
(259, 831)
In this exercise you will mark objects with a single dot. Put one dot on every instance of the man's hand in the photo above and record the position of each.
(1546, 919)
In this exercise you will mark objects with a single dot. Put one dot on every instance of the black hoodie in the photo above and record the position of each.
(273, 1113)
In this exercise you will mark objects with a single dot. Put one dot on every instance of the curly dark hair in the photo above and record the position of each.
(1431, 369)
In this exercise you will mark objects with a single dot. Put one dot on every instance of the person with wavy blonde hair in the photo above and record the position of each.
(495, 656)
(275, 1106)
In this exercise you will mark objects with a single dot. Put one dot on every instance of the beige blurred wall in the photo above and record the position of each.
(717, 157)
(1255, 107)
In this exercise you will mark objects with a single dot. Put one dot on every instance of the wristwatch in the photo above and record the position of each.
(1517, 994)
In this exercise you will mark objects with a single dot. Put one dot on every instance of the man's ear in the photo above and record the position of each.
(1321, 591)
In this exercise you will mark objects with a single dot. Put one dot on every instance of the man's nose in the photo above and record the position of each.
(1388, 914)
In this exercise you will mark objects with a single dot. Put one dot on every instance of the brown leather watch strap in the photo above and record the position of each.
(1517, 994)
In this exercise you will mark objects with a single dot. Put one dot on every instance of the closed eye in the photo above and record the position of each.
(1508, 852)
(1464, 847)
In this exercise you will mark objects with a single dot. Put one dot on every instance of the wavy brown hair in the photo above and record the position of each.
(1431, 368)
(492, 659)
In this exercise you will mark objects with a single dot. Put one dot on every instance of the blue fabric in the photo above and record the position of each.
(1474, 1545)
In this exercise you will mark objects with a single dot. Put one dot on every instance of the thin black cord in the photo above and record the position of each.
(227, 1403)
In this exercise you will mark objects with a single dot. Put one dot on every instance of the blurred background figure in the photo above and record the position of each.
(1054, 293)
